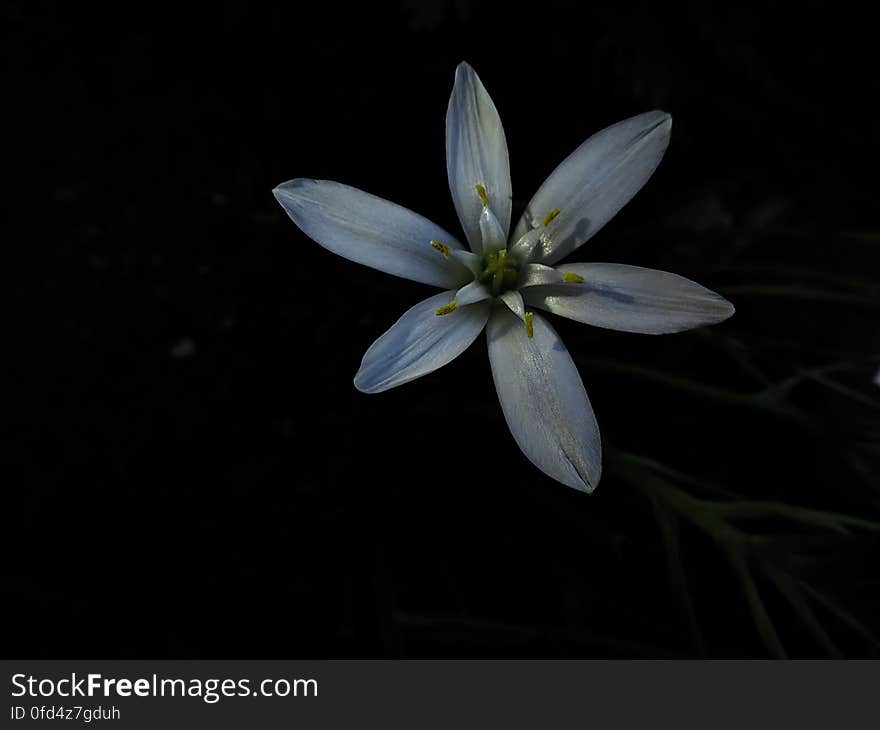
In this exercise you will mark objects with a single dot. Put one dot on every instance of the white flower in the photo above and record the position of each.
(502, 279)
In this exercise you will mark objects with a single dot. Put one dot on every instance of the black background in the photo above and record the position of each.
(190, 472)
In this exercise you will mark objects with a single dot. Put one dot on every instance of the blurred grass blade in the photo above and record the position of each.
(845, 616)
(750, 271)
(820, 518)
(762, 620)
(669, 532)
(736, 350)
(789, 589)
(824, 296)
(846, 391)
(783, 388)
(667, 471)
(747, 401)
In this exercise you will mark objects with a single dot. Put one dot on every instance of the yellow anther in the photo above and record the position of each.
(481, 191)
(550, 216)
(442, 248)
(446, 309)
(572, 278)
(530, 330)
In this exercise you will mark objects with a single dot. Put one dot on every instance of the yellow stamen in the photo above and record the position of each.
(442, 248)
(446, 309)
(481, 191)
(571, 278)
(530, 330)
(550, 216)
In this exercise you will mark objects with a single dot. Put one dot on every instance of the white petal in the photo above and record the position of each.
(371, 231)
(472, 293)
(631, 299)
(493, 236)
(420, 342)
(476, 154)
(596, 181)
(536, 274)
(514, 301)
(470, 260)
(528, 246)
(544, 401)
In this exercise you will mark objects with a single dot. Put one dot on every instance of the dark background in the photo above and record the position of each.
(190, 472)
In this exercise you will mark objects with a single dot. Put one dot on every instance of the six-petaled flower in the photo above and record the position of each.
(499, 283)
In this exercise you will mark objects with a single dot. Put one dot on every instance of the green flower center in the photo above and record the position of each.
(500, 272)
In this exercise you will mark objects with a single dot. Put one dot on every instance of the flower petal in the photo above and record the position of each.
(492, 235)
(514, 301)
(372, 231)
(472, 293)
(527, 245)
(595, 182)
(420, 342)
(476, 154)
(631, 299)
(544, 401)
(469, 260)
(537, 274)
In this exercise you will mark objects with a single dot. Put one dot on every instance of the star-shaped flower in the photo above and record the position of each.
(499, 283)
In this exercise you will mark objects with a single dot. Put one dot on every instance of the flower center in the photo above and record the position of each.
(499, 272)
